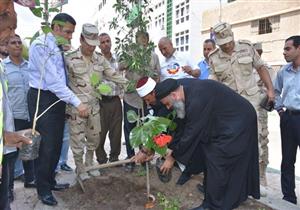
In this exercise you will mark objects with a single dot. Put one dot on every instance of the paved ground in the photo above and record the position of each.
(273, 199)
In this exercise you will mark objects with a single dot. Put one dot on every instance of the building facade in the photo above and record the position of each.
(180, 20)
(268, 21)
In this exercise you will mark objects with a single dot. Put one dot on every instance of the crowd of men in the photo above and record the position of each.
(222, 128)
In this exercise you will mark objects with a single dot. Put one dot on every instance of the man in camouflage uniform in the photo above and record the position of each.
(233, 65)
(263, 116)
(81, 63)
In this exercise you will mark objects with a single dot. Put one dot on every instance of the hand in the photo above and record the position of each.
(187, 69)
(271, 95)
(83, 110)
(142, 157)
(168, 164)
(15, 139)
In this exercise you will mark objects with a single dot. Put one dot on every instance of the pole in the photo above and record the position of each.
(46, 13)
(220, 12)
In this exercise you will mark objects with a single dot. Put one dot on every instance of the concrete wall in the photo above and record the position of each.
(241, 13)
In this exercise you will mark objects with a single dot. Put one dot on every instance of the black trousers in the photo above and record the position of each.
(111, 123)
(129, 126)
(8, 165)
(290, 141)
(28, 165)
(51, 127)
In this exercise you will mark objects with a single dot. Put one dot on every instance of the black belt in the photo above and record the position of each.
(108, 98)
(292, 112)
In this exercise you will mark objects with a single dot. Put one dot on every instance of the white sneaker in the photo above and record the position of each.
(84, 176)
(94, 173)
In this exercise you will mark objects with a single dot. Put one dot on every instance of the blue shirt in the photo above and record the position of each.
(18, 85)
(45, 59)
(287, 88)
(8, 120)
(204, 68)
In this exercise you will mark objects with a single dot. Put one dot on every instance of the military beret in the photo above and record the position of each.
(165, 87)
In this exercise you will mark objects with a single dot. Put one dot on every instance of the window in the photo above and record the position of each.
(265, 25)
(182, 12)
(182, 40)
(160, 21)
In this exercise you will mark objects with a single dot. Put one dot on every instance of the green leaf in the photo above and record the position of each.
(37, 3)
(53, 10)
(172, 126)
(133, 14)
(131, 86)
(160, 150)
(95, 79)
(37, 34)
(104, 89)
(61, 40)
(37, 11)
(59, 22)
(132, 117)
(137, 136)
(46, 29)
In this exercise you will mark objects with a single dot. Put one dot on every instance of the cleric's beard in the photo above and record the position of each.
(179, 107)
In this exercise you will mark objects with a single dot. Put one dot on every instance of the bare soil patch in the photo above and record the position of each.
(117, 189)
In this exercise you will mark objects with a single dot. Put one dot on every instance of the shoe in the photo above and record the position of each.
(94, 173)
(59, 187)
(11, 196)
(65, 167)
(162, 177)
(201, 207)
(21, 178)
(102, 161)
(48, 199)
(84, 176)
(31, 184)
(113, 159)
(184, 177)
(200, 188)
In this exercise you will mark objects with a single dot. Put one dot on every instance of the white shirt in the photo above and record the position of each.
(172, 67)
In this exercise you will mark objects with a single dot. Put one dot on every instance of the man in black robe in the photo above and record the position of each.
(224, 124)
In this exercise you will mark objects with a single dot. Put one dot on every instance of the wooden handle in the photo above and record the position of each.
(107, 165)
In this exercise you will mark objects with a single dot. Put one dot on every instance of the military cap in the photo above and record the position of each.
(165, 87)
(223, 33)
(90, 34)
(257, 46)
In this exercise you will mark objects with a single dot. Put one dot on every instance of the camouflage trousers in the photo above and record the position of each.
(262, 127)
(84, 132)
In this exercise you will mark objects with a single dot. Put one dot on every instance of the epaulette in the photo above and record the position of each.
(71, 52)
(98, 53)
(213, 52)
(244, 41)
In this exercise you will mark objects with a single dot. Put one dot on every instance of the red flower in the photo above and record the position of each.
(162, 139)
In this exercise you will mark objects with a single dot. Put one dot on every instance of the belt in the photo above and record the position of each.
(292, 112)
(108, 98)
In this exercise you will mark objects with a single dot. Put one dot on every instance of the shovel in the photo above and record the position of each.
(101, 166)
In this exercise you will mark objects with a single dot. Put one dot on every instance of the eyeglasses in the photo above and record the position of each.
(16, 42)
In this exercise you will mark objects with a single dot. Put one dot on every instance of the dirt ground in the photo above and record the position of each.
(117, 189)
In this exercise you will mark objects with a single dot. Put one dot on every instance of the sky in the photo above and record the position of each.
(83, 12)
